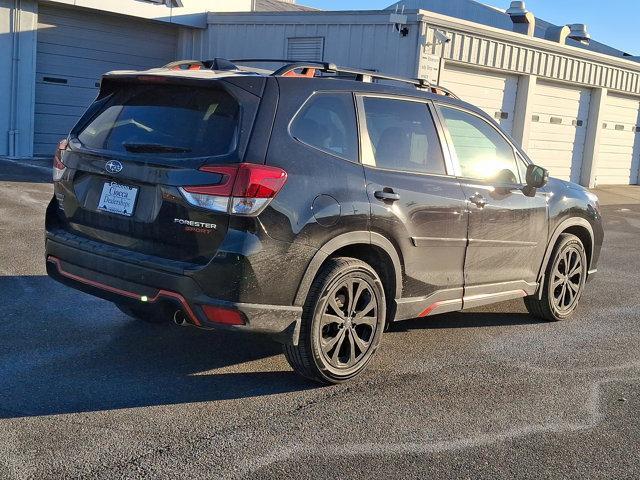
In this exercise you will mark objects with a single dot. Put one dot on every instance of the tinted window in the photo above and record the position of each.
(403, 136)
(482, 151)
(328, 122)
(164, 120)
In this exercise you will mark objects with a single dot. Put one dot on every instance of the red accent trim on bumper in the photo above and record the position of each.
(225, 316)
(124, 293)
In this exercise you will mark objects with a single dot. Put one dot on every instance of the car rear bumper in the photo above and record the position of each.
(122, 281)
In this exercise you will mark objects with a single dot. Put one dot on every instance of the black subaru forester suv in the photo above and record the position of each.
(312, 204)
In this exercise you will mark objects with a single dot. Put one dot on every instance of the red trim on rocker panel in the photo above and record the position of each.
(436, 305)
(124, 293)
(429, 309)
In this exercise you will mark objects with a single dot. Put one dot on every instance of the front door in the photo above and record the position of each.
(415, 201)
(507, 227)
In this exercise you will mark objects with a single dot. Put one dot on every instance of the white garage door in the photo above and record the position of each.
(619, 158)
(75, 48)
(492, 92)
(559, 129)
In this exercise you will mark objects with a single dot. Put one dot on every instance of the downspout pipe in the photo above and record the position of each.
(14, 28)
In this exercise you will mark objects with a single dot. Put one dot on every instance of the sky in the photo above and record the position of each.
(614, 22)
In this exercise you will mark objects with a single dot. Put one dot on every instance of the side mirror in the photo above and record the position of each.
(537, 177)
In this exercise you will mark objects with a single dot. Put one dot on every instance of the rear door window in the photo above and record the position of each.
(165, 120)
(402, 136)
(328, 122)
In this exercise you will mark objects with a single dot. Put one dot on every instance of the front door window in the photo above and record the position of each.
(483, 153)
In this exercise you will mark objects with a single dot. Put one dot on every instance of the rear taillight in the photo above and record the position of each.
(245, 189)
(59, 167)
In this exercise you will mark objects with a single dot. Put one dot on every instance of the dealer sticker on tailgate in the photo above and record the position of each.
(118, 198)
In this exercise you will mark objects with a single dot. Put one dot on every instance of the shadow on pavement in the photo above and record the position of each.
(27, 171)
(62, 351)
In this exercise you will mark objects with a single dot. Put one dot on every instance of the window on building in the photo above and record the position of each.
(328, 123)
(403, 136)
(483, 153)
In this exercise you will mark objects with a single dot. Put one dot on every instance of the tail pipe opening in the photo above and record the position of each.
(181, 319)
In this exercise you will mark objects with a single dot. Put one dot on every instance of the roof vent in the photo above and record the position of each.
(517, 9)
(579, 33)
(557, 34)
(523, 20)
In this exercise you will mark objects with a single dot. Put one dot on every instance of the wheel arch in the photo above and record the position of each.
(577, 226)
(367, 246)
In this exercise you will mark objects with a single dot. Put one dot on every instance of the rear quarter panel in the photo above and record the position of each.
(325, 195)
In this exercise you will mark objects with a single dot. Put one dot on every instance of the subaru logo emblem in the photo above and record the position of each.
(113, 166)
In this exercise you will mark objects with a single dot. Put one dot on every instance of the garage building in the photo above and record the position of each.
(573, 103)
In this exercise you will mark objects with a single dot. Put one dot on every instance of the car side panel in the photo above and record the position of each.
(507, 237)
(572, 205)
(428, 225)
(325, 195)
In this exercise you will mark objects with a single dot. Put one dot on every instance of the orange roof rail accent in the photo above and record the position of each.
(306, 73)
(185, 65)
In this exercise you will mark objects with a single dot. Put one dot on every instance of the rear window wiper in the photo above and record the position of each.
(154, 148)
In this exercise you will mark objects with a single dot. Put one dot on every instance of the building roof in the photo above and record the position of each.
(473, 11)
(280, 6)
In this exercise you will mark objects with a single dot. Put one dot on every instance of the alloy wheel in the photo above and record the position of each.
(567, 279)
(348, 323)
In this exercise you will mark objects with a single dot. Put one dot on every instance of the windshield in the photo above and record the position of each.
(167, 120)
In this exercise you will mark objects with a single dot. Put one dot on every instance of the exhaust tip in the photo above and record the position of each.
(180, 319)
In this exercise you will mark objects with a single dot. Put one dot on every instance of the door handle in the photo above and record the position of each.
(387, 195)
(479, 200)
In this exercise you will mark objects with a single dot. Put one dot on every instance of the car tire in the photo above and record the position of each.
(145, 313)
(564, 281)
(342, 322)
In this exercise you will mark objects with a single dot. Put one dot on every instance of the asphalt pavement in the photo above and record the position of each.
(86, 392)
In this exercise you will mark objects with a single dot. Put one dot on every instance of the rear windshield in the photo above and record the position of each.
(166, 120)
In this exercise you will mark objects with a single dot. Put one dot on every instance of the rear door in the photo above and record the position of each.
(137, 149)
(414, 200)
(508, 229)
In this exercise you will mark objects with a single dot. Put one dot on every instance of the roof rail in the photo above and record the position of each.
(360, 74)
(215, 64)
(309, 69)
(286, 61)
